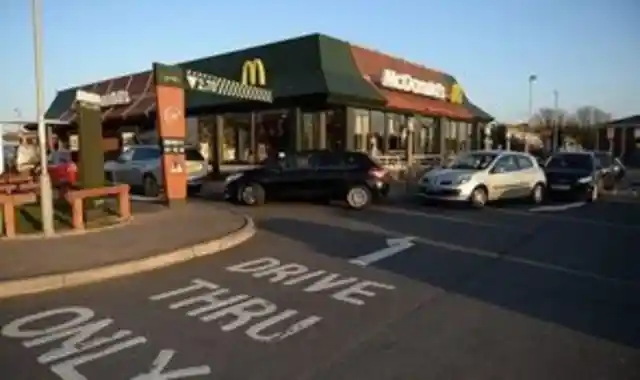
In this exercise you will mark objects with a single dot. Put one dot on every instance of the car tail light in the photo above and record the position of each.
(379, 173)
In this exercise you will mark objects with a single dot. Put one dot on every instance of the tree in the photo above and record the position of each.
(546, 118)
(591, 116)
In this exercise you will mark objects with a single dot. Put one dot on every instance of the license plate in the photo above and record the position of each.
(560, 187)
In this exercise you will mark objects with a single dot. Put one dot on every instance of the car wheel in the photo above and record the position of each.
(194, 190)
(251, 194)
(478, 197)
(151, 187)
(537, 194)
(358, 197)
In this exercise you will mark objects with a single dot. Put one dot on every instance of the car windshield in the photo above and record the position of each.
(570, 161)
(191, 154)
(473, 161)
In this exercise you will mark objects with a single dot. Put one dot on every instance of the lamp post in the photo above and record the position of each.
(532, 79)
(46, 199)
(556, 124)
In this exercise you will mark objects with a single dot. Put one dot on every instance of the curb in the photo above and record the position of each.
(39, 284)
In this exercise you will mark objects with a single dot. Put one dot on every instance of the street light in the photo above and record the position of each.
(532, 79)
(556, 121)
(46, 197)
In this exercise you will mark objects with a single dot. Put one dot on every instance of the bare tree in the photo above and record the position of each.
(590, 116)
(548, 117)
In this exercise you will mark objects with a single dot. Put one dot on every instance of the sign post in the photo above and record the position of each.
(1, 148)
(171, 83)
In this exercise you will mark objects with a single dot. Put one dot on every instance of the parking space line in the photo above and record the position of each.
(518, 260)
(567, 218)
(449, 218)
(560, 207)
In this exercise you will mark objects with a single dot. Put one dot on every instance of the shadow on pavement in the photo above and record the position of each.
(329, 240)
(597, 307)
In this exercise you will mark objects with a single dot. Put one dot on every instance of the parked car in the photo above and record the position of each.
(140, 167)
(354, 177)
(62, 169)
(479, 177)
(577, 175)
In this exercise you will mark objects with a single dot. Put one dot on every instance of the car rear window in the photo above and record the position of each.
(191, 154)
(605, 159)
(570, 161)
(362, 160)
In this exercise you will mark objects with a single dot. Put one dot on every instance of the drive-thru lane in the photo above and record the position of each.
(497, 294)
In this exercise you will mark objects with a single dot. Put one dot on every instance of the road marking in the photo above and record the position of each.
(78, 334)
(560, 207)
(348, 289)
(519, 260)
(395, 246)
(211, 302)
(567, 218)
(449, 218)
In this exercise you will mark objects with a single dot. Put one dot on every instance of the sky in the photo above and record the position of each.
(587, 50)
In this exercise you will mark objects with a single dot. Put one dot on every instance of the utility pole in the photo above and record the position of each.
(556, 124)
(46, 198)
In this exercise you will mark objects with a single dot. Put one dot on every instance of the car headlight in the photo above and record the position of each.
(463, 179)
(232, 177)
(584, 180)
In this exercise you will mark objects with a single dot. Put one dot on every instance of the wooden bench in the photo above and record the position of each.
(76, 198)
(9, 204)
(17, 182)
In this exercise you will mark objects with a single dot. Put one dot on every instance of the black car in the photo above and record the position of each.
(575, 174)
(323, 176)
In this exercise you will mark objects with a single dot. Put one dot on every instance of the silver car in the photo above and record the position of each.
(140, 166)
(482, 176)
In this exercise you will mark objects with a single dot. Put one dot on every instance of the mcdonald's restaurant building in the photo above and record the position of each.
(327, 94)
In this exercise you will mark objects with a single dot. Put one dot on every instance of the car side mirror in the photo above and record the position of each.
(498, 170)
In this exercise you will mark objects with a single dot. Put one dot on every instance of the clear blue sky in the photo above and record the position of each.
(589, 50)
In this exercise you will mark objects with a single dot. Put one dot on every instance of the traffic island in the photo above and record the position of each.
(150, 241)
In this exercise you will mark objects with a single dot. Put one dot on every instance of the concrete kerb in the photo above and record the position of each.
(33, 285)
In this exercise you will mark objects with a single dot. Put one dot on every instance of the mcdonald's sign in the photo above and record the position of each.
(254, 73)
(457, 94)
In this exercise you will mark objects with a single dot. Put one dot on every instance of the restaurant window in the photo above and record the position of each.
(377, 132)
(310, 133)
(236, 146)
(273, 132)
(450, 130)
(361, 129)
(463, 136)
(336, 129)
(396, 132)
(424, 135)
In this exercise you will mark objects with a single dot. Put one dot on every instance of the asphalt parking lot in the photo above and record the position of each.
(501, 293)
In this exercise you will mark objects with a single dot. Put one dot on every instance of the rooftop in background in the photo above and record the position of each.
(630, 121)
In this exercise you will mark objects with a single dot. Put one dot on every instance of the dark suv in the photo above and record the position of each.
(324, 176)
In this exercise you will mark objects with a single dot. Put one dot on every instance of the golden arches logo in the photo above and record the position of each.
(254, 73)
(457, 94)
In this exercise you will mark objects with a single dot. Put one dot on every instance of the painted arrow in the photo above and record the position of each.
(394, 246)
